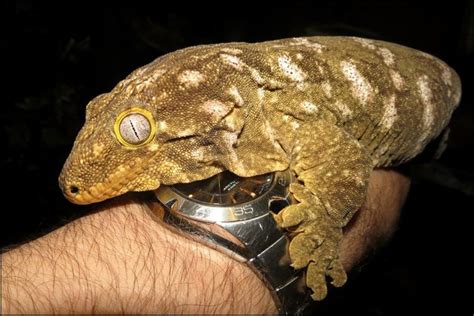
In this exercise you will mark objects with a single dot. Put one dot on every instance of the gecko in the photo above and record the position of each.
(331, 109)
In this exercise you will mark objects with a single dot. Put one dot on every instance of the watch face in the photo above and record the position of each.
(226, 188)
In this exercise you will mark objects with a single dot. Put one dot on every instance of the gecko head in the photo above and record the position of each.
(110, 152)
(154, 127)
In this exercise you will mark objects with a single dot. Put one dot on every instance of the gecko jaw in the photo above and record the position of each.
(114, 185)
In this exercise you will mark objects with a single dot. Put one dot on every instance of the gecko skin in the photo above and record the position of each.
(329, 108)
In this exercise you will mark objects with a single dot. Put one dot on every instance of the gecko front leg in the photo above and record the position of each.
(333, 170)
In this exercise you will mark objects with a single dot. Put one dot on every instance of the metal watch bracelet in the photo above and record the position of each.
(246, 232)
(268, 259)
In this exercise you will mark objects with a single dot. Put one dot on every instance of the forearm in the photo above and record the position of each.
(377, 219)
(121, 260)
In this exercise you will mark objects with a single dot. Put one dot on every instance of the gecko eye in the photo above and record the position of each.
(135, 127)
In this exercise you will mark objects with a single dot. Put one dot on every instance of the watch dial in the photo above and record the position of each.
(226, 188)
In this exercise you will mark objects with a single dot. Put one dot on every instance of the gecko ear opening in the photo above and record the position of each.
(135, 127)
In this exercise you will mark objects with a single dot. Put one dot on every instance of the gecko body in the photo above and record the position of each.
(329, 108)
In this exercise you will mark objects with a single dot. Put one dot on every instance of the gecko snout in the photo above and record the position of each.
(72, 192)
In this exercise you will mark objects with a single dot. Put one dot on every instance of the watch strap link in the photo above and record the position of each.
(265, 251)
(269, 258)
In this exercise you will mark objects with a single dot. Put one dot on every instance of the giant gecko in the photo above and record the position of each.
(331, 109)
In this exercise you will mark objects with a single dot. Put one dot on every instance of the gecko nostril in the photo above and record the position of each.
(73, 189)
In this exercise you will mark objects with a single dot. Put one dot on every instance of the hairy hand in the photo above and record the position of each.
(120, 260)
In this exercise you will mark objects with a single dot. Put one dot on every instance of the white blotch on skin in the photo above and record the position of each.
(269, 130)
(162, 125)
(215, 108)
(387, 55)
(153, 147)
(191, 78)
(234, 92)
(290, 69)
(228, 140)
(457, 96)
(233, 61)
(426, 97)
(446, 75)
(327, 88)
(97, 149)
(297, 149)
(232, 51)
(144, 82)
(365, 42)
(137, 82)
(271, 135)
(294, 125)
(256, 76)
(306, 43)
(261, 94)
(361, 88)
(299, 56)
(390, 114)
(198, 154)
(397, 80)
(309, 107)
(343, 109)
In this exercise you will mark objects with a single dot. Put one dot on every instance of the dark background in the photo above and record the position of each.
(59, 56)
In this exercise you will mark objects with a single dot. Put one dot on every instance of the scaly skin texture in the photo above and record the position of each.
(329, 108)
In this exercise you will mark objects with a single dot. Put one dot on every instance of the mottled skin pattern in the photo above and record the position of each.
(330, 108)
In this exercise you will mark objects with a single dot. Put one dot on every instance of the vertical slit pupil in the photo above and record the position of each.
(134, 130)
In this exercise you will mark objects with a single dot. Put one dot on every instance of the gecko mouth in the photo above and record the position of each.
(114, 185)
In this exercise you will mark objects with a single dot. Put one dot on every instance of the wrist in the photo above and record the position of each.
(209, 281)
(121, 260)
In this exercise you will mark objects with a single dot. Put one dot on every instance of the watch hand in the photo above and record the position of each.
(252, 194)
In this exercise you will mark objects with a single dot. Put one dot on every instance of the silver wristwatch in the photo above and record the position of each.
(232, 214)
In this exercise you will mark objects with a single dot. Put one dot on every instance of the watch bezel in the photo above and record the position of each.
(211, 213)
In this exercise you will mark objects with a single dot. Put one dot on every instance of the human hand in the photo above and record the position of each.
(120, 260)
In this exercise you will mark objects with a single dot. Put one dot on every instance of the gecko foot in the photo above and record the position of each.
(316, 241)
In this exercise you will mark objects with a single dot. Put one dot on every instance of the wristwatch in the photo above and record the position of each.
(234, 215)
